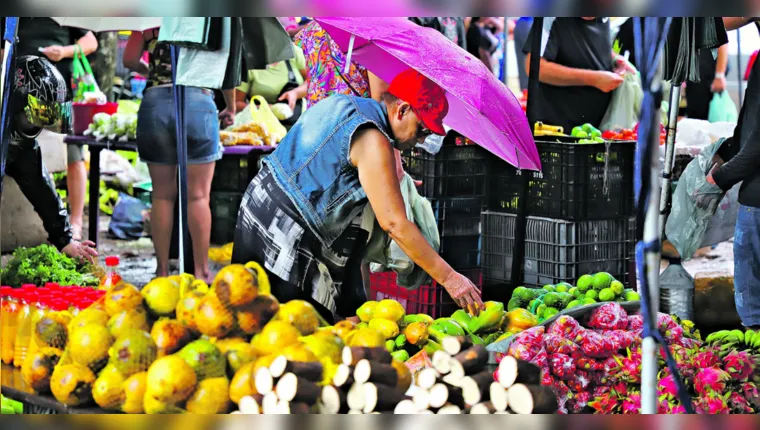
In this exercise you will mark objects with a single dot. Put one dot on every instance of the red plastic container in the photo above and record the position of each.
(430, 299)
(83, 112)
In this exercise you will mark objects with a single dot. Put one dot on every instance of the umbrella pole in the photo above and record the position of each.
(9, 42)
(739, 74)
(670, 150)
(179, 108)
(504, 62)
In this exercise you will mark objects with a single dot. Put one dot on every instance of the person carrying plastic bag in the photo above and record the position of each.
(722, 108)
(625, 105)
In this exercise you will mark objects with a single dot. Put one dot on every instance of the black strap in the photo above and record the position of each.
(291, 74)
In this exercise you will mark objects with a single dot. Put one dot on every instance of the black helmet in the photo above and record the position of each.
(39, 94)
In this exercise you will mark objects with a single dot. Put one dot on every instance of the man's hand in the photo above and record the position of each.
(623, 66)
(55, 53)
(607, 81)
(718, 84)
(227, 117)
(81, 251)
(291, 97)
(464, 293)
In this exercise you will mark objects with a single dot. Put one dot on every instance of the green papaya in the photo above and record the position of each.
(401, 356)
(400, 341)
(491, 338)
(431, 347)
(462, 318)
(514, 303)
(488, 319)
(477, 340)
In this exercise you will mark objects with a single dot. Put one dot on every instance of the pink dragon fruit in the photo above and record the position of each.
(597, 346)
(630, 368)
(751, 393)
(605, 404)
(621, 339)
(554, 344)
(673, 335)
(670, 407)
(739, 365)
(620, 389)
(567, 327)
(609, 316)
(600, 390)
(708, 357)
(667, 389)
(710, 381)
(579, 403)
(632, 405)
(635, 323)
(739, 405)
(562, 366)
(562, 392)
(579, 381)
(688, 343)
(527, 344)
(711, 404)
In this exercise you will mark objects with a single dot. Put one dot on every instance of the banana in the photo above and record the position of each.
(748, 336)
(716, 336)
(738, 334)
(756, 341)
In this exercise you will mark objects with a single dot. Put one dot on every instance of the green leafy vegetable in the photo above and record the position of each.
(43, 264)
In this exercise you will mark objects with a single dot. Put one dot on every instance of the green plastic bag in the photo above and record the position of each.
(82, 75)
(722, 108)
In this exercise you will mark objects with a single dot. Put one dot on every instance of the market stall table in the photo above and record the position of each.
(13, 387)
(95, 147)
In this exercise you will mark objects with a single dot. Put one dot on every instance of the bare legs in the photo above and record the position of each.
(76, 181)
(162, 213)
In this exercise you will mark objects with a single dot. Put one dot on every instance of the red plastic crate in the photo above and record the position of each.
(430, 299)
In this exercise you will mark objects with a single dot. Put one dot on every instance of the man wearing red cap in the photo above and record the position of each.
(301, 216)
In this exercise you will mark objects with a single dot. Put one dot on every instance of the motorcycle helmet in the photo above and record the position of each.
(38, 99)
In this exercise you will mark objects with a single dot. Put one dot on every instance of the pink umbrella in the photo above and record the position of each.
(480, 106)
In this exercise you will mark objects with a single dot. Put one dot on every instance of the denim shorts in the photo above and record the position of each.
(157, 132)
(747, 265)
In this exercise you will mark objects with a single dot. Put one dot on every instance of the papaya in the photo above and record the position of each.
(488, 319)
(462, 318)
(416, 333)
(521, 319)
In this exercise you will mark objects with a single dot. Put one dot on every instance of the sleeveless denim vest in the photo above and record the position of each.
(312, 163)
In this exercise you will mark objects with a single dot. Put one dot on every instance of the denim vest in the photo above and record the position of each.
(312, 163)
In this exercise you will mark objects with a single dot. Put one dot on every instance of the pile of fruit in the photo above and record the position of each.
(10, 407)
(628, 134)
(594, 365)
(550, 300)
(587, 133)
(119, 126)
(408, 335)
(181, 345)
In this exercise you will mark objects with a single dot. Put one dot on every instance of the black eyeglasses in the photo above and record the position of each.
(422, 131)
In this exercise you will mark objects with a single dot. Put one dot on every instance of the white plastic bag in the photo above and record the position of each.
(723, 224)
(625, 106)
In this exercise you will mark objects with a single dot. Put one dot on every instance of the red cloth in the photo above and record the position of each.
(749, 65)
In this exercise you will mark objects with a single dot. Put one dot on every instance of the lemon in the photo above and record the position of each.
(388, 329)
(366, 311)
(390, 310)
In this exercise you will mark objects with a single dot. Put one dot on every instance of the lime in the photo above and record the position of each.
(602, 280)
(520, 293)
(584, 283)
(588, 301)
(617, 288)
(549, 312)
(562, 288)
(573, 304)
(551, 299)
(549, 288)
(540, 309)
(592, 294)
(564, 299)
(606, 295)
(632, 296)
(574, 292)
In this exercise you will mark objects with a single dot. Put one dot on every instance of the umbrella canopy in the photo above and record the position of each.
(480, 106)
(98, 24)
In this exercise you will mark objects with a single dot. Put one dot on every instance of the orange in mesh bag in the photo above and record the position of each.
(170, 382)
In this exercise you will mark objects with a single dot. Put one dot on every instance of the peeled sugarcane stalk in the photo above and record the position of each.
(344, 376)
(264, 381)
(441, 394)
(406, 407)
(333, 401)
(475, 389)
(470, 361)
(499, 397)
(295, 389)
(532, 399)
(308, 370)
(512, 370)
(450, 410)
(354, 354)
(380, 398)
(269, 404)
(355, 397)
(441, 362)
(372, 371)
(485, 408)
(426, 378)
(453, 380)
(421, 399)
(250, 405)
(453, 345)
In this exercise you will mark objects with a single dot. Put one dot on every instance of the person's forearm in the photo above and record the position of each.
(229, 98)
(735, 23)
(741, 166)
(721, 63)
(406, 234)
(301, 90)
(561, 76)
(88, 43)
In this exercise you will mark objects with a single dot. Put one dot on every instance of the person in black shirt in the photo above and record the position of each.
(578, 72)
(481, 41)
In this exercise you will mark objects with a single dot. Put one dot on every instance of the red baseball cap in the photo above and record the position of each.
(426, 97)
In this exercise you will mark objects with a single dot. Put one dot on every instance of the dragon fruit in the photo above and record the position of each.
(562, 366)
(710, 381)
(707, 357)
(620, 389)
(597, 346)
(527, 344)
(621, 339)
(635, 323)
(711, 404)
(555, 343)
(632, 405)
(751, 393)
(670, 407)
(673, 335)
(567, 327)
(739, 365)
(667, 388)
(605, 404)
(630, 368)
(541, 359)
(609, 316)
(562, 392)
(579, 402)
(600, 390)
(739, 405)
(579, 381)
(688, 343)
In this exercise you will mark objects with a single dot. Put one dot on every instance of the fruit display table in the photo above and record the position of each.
(96, 146)
(13, 387)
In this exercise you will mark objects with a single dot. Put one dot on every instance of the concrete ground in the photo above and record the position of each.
(720, 259)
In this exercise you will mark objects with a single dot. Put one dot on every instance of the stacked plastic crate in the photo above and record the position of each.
(580, 214)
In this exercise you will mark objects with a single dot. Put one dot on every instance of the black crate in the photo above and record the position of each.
(461, 252)
(557, 250)
(224, 211)
(234, 172)
(577, 181)
(455, 171)
(458, 216)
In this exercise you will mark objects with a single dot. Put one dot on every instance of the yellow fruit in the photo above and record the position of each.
(211, 397)
(275, 337)
(324, 346)
(368, 338)
(239, 355)
(301, 314)
(152, 405)
(198, 286)
(170, 336)
(298, 352)
(71, 384)
(89, 346)
(426, 319)
(186, 310)
(366, 311)
(132, 319)
(38, 368)
(170, 380)
(213, 318)
(134, 393)
(242, 383)
(122, 297)
(262, 278)
(264, 361)
(133, 352)
(226, 344)
(108, 389)
(235, 285)
(161, 297)
(390, 310)
(416, 333)
(51, 332)
(88, 316)
(343, 328)
(388, 329)
(252, 317)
